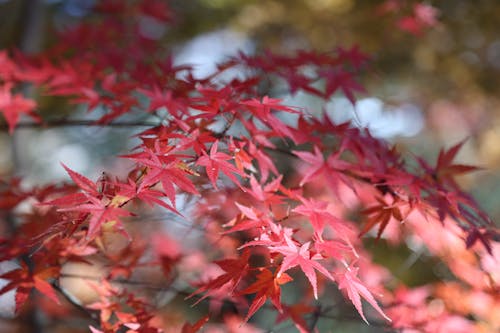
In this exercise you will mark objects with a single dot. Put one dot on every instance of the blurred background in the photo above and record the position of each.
(428, 87)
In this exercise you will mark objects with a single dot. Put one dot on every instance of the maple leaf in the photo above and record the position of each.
(213, 102)
(88, 186)
(316, 163)
(235, 270)
(166, 168)
(318, 213)
(266, 165)
(300, 256)
(23, 280)
(296, 313)
(100, 213)
(355, 289)
(382, 213)
(146, 194)
(266, 286)
(262, 110)
(159, 99)
(12, 194)
(343, 80)
(251, 219)
(268, 193)
(168, 251)
(188, 328)
(353, 55)
(477, 234)
(12, 106)
(335, 249)
(45, 288)
(297, 81)
(445, 170)
(217, 161)
(7, 67)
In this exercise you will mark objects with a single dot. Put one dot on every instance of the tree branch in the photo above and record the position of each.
(79, 123)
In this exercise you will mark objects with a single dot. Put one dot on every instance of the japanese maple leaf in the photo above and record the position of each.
(316, 163)
(334, 248)
(445, 169)
(196, 140)
(354, 56)
(382, 213)
(213, 101)
(298, 81)
(266, 286)
(316, 211)
(168, 251)
(235, 270)
(242, 159)
(249, 219)
(266, 193)
(296, 313)
(424, 16)
(216, 161)
(146, 194)
(343, 80)
(355, 289)
(160, 99)
(188, 328)
(23, 280)
(88, 186)
(166, 169)
(266, 164)
(319, 215)
(8, 68)
(100, 213)
(262, 110)
(123, 262)
(12, 106)
(11, 195)
(300, 256)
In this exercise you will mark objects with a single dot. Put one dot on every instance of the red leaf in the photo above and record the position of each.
(235, 270)
(266, 286)
(217, 161)
(300, 256)
(316, 163)
(188, 328)
(355, 289)
(296, 312)
(83, 182)
(22, 294)
(12, 106)
(45, 288)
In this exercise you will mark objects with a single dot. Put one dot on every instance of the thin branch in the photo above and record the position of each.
(142, 284)
(92, 314)
(79, 123)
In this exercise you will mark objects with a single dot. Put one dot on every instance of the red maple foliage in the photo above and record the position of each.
(269, 195)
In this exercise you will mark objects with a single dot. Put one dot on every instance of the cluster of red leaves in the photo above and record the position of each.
(412, 18)
(221, 147)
